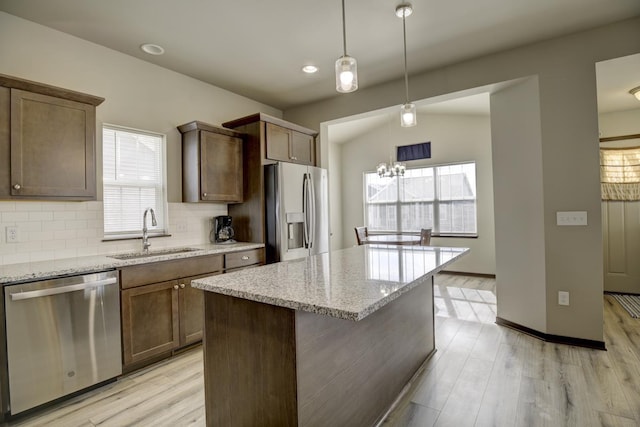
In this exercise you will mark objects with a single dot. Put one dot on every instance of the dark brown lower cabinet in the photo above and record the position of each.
(161, 312)
(159, 318)
(191, 303)
(150, 321)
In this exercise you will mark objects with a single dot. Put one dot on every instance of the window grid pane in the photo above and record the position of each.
(133, 180)
(442, 198)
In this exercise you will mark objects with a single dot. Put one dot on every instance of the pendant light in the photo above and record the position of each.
(346, 66)
(408, 116)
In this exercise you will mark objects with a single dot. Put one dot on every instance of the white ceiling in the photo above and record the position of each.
(614, 79)
(344, 131)
(257, 48)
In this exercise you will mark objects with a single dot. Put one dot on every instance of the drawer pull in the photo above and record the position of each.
(245, 257)
(17, 187)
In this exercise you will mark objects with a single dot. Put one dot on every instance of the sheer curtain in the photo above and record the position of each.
(620, 173)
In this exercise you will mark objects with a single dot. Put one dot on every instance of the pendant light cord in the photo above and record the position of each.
(406, 75)
(344, 30)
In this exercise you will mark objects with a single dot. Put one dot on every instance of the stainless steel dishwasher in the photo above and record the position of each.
(63, 335)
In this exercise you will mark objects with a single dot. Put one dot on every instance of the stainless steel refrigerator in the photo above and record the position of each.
(297, 211)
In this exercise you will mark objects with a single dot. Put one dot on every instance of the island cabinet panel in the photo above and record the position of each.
(350, 373)
(250, 363)
(274, 366)
(47, 142)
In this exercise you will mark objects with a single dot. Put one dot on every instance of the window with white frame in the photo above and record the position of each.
(133, 180)
(442, 198)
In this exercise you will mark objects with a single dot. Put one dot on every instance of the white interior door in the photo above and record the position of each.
(621, 238)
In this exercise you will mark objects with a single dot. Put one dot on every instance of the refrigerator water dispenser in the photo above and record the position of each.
(295, 230)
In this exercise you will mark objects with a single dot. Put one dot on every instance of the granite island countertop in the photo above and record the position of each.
(348, 284)
(30, 271)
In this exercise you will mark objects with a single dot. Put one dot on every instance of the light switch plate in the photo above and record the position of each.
(571, 218)
(563, 298)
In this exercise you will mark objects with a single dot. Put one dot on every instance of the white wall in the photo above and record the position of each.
(57, 230)
(139, 95)
(454, 138)
(619, 123)
(335, 200)
(567, 101)
(518, 192)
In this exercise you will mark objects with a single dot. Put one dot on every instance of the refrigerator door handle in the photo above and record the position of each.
(312, 200)
(305, 208)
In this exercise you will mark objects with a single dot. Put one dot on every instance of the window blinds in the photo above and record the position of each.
(620, 173)
(133, 180)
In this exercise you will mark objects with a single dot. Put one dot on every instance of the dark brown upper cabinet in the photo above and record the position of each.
(287, 145)
(281, 140)
(266, 141)
(47, 142)
(211, 163)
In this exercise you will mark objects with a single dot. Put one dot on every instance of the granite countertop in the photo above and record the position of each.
(348, 284)
(29, 271)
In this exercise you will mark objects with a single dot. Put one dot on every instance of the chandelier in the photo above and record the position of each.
(393, 169)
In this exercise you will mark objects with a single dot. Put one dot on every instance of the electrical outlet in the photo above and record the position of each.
(181, 226)
(12, 234)
(563, 298)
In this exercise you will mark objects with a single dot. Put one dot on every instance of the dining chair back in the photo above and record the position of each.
(361, 235)
(425, 237)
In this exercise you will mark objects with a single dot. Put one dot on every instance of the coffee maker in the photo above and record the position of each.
(222, 231)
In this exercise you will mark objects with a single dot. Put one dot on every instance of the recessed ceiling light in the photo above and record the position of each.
(152, 49)
(310, 69)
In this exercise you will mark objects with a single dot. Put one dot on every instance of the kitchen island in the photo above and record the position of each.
(331, 339)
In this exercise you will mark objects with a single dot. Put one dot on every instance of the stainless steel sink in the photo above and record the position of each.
(159, 252)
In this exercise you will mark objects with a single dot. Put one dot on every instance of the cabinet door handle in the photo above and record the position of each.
(204, 195)
(245, 257)
(175, 287)
(182, 285)
(17, 187)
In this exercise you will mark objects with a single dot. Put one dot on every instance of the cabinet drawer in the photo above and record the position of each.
(169, 270)
(244, 258)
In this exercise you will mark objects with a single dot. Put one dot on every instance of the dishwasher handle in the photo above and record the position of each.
(17, 296)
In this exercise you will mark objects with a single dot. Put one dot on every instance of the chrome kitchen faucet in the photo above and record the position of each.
(145, 236)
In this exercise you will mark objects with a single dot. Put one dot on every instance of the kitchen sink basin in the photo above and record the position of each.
(135, 255)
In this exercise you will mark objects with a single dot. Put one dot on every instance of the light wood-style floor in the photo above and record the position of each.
(487, 375)
(481, 375)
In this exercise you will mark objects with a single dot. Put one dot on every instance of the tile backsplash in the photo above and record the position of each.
(54, 230)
